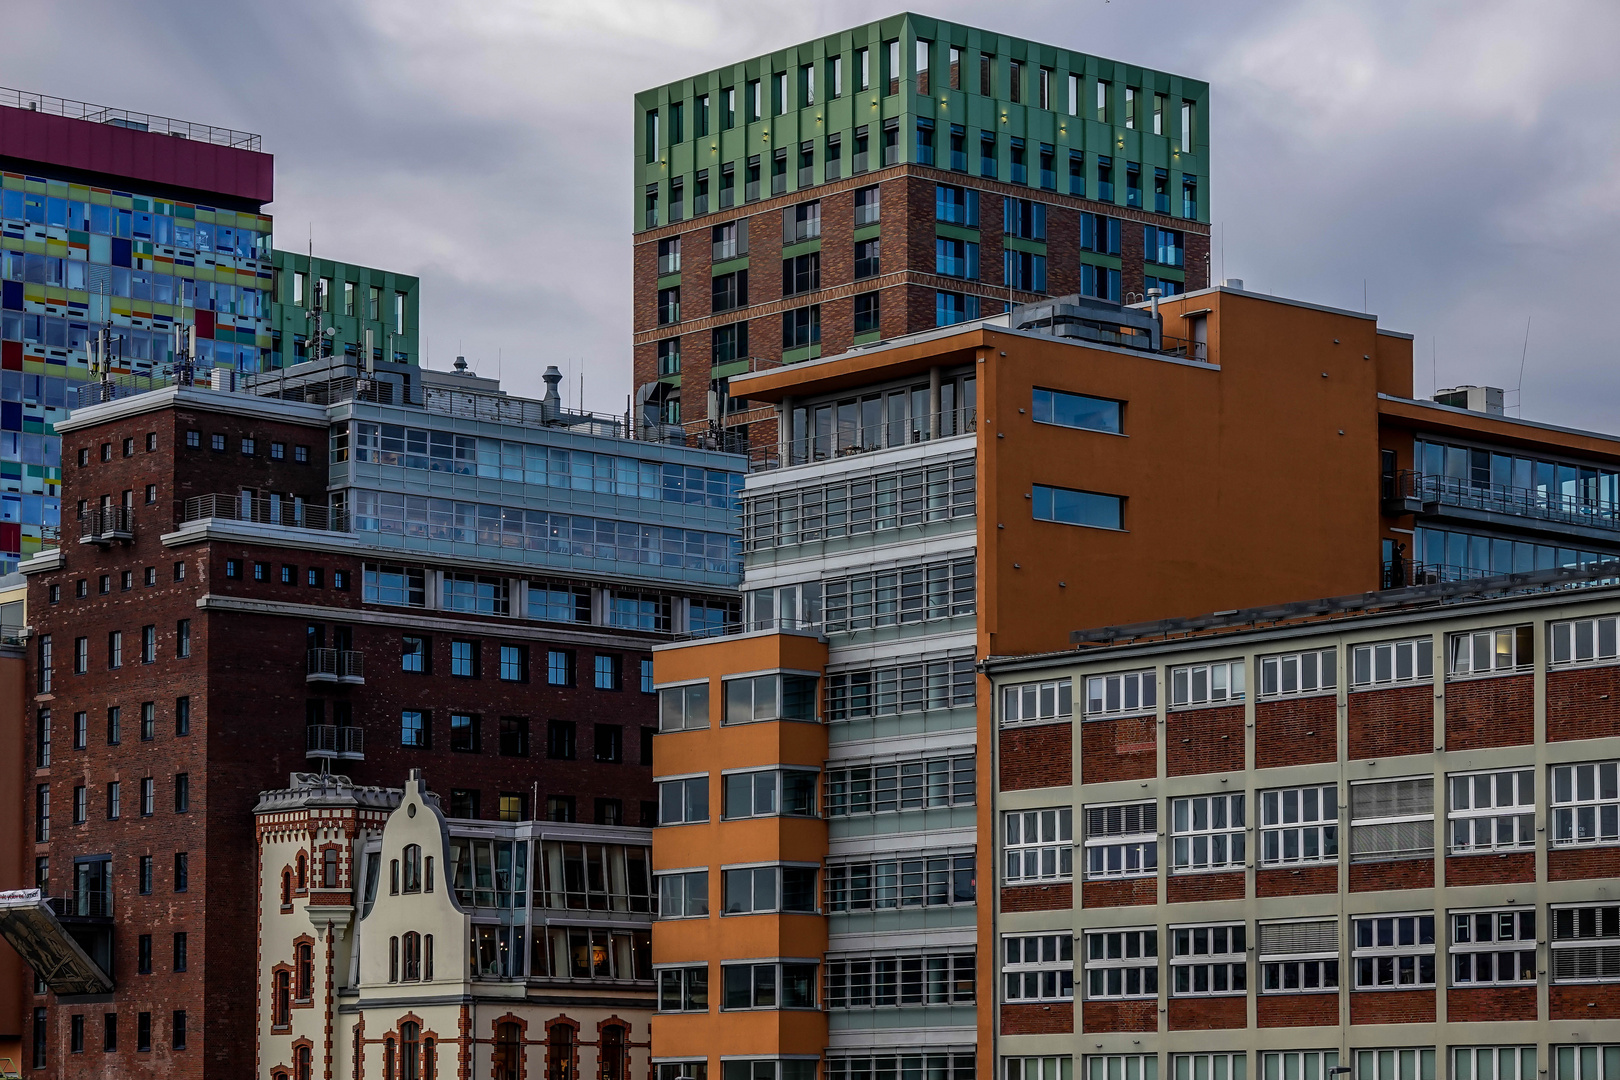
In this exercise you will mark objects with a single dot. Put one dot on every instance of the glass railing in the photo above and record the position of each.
(1491, 498)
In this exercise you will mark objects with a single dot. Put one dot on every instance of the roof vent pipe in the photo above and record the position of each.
(460, 365)
(1233, 283)
(1153, 301)
(551, 404)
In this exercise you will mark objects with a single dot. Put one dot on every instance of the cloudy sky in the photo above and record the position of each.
(1460, 161)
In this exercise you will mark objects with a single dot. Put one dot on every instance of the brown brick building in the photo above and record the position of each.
(248, 587)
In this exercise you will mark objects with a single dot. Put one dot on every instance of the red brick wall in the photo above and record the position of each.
(1483, 869)
(1305, 880)
(1588, 1002)
(1118, 749)
(1035, 1019)
(1399, 874)
(1204, 741)
(1490, 1004)
(1392, 1007)
(1583, 703)
(1120, 1015)
(1569, 864)
(1038, 756)
(1297, 1010)
(1296, 731)
(1490, 712)
(1121, 893)
(1389, 723)
(1208, 1014)
(1055, 897)
(1189, 888)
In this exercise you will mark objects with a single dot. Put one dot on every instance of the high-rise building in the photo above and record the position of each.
(352, 300)
(897, 176)
(1375, 834)
(826, 830)
(319, 571)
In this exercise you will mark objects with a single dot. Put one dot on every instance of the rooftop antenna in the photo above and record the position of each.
(1519, 390)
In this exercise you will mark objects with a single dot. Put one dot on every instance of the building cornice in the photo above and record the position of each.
(219, 401)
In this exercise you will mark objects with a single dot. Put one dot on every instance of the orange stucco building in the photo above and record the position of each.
(985, 490)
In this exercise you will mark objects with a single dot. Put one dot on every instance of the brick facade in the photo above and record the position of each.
(1120, 1015)
(1584, 1002)
(1387, 723)
(1485, 868)
(1392, 1007)
(1297, 1010)
(1296, 731)
(1124, 892)
(1058, 896)
(1491, 712)
(1399, 874)
(1204, 740)
(1037, 756)
(1118, 749)
(1490, 1004)
(1192, 888)
(1570, 863)
(1583, 703)
(1302, 881)
(1031, 1018)
(1208, 1013)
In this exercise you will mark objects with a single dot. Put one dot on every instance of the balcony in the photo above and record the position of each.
(334, 666)
(334, 742)
(1425, 493)
(103, 525)
(75, 961)
(265, 510)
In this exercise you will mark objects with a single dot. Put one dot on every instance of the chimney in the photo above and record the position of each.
(551, 404)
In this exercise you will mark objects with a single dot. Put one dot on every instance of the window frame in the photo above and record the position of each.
(1321, 824)
(1276, 668)
(1142, 685)
(688, 805)
(1522, 812)
(1520, 638)
(1237, 971)
(778, 793)
(1235, 836)
(1422, 656)
(1231, 675)
(1145, 938)
(1052, 979)
(1143, 841)
(684, 697)
(1456, 950)
(1565, 814)
(1037, 697)
(1325, 960)
(1396, 952)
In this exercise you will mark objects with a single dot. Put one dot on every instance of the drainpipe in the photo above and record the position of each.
(933, 403)
(784, 431)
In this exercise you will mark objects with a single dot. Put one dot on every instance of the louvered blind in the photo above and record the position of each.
(1127, 820)
(1586, 962)
(1296, 938)
(1391, 840)
(1392, 798)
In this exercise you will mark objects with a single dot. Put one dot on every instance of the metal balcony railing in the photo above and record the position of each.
(84, 905)
(863, 438)
(1403, 573)
(263, 510)
(334, 665)
(1428, 488)
(104, 524)
(334, 740)
(125, 118)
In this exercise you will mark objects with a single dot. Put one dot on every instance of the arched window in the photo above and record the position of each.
(560, 1053)
(613, 1058)
(305, 970)
(508, 1052)
(413, 868)
(303, 872)
(413, 956)
(427, 875)
(281, 999)
(410, 1051)
(388, 1059)
(329, 868)
(301, 1064)
(427, 957)
(393, 959)
(286, 888)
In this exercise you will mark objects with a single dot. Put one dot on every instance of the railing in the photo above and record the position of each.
(861, 438)
(265, 511)
(321, 739)
(104, 114)
(102, 524)
(1521, 502)
(116, 388)
(338, 664)
(1184, 348)
(739, 626)
(501, 409)
(1404, 573)
(87, 905)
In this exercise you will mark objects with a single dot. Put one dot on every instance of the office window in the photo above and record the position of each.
(413, 654)
(1299, 956)
(148, 798)
(182, 793)
(42, 812)
(560, 740)
(683, 707)
(464, 732)
(413, 728)
(81, 728)
(867, 317)
(770, 697)
(925, 141)
(76, 1036)
(1122, 840)
(987, 78)
(514, 663)
(1493, 948)
(1490, 652)
(1122, 964)
(728, 291)
(180, 957)
(115, 727)
(987, 154)
(683, 990)
(1299, 825)
(1582, 641)
(956, 258)
(956, 205)
(115, 649)
(755, 890)
(1492, 811)
(1393, 952)
(909, 785)
(1024, 270)
(182, 871)
(1207, 684)
(559, 667)
(1392, 662)
(609, 742)
(113, 800)
(801, 327)
(1518, 1062)
(1035, 701)
(1124, 694)
(801, 274)
(464, 659)
(1208, 961)
(1392, 819)
(683, 896)
(568, 603)
(768, 986)
(647, 685)
(907, 980)
(1068, 507)
(1586, 943)
(148, 644)
(513, 806)
(607, 670)
(1586, 804)
(1019, 172)
(182, 715)
(867, 205)
(1186, 128)
(683, 802)
(1104, 93)
(148, 721)
(1209, 833)
(767, 793)
(1037, 967)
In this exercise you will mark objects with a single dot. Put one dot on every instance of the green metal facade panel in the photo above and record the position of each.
(706, 143)
(290, 320)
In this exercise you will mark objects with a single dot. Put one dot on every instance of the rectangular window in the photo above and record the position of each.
(514, 663)
(464, 659)
(987, 75)
(1299, 956)
(1207, 684)
(682, 708)
(559, 667)
(1023, 218)
(115, 649)
(1298, 673)
(1208, 833)
(770, 697)
(182, 871)
(1122, 840)
(560, 740)
(514, 736)
(1583, 641)
(801, 274)
(890, 981)
(925, 142)
(1208, 961)
(413, 654)
(768, 986)
(1490, 652)
(115, 726)
(758, 890)
(148, 644)
(400, 586)
(413, 728)
(987, 154)
(907, 785)
(608, 672)
(956, 205)
(1493, 948)
(114, 802)
(683, 895)
(683, 989)
(683, 802)
(956, 258)
(801, 327)
(182, 715)
(867, 206)
(728, 291)
(1391, 662)
(182, 793)
(609, 742)
(1511, 1062)
(1394, 952)
(1122, 964)
(1104, 89)
(1037, 701)
(867, 259)
(868, 319)
(1586, 804)
(464, 733)
(1392, 819)
(1076, 411)
(1586, 943)
(769, 793)
(182, 638)
(1492, 811)
(1069, 507)
(1125, 694)
(889, 884)
(1299, 825)
(42, 739)
(1037, 967)
(1186, 128)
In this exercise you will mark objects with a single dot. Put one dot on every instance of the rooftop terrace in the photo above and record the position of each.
(125, 118)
